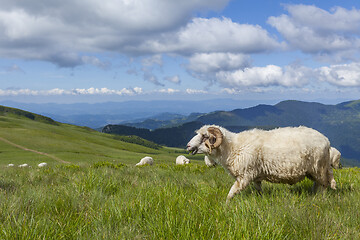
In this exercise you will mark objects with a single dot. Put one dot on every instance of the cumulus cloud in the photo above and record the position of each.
(212, 35)
(340, 75)
(206, 65)
(235, 70)
(269, 75)
(59, 31)
(330, 35)
(345, 75)
(76, 91)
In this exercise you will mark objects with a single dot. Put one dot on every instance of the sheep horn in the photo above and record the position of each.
(213, 131)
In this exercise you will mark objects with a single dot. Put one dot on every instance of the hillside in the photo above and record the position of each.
(97, 115)
(7, 111)
(31, 138)
(340, 123)
(174, 136)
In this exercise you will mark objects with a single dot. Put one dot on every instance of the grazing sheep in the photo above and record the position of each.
(182, 160)
(145, 160)
(334, 163)
(24, 165)
(43, 164)
(283, 155)
(209, 162)
(10, 165)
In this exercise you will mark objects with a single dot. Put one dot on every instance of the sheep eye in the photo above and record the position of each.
(205, 138)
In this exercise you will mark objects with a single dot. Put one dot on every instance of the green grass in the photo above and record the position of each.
(102, 195)
(165, 201)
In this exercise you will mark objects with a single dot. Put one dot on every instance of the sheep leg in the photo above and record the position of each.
(238, 186)
(318, 187)
(321, 180)
(331, 178)
(257, 185)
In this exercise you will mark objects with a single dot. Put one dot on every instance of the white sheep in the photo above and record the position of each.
(24, 165)
(182, 160)
(209, 162)
(10, 165)
(145, 160)
(335, 163)
(283, 155)
(43, 164)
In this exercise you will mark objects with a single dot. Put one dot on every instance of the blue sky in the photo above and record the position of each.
(116, 50)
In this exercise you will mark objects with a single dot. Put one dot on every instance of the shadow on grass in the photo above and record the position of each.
(302, 188)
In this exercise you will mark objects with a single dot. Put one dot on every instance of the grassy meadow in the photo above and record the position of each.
(100, 194)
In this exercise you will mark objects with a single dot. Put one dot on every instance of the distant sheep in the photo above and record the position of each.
(10, 165)
(145, 160)
(24, 165)
(43, 164)
(283, 155)
(182, 160)
(209, 162)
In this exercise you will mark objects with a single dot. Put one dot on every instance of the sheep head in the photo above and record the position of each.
(207, 139)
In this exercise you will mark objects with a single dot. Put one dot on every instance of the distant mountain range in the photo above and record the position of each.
(100, 114)
(340, 123)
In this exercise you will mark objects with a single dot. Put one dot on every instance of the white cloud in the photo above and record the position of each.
(345, 75)
(203, 35)
(235, 71)
(16, 92)
(195, 91)
(214, 62)
(168, 90)
(331, 36)
(337, 19)
(76, 91)
(270, 75)
(230, 91)
(58, 31)
(206, 65)
(174, 79)
(291, 76)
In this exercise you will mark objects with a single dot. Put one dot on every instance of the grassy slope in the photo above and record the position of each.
(71, 143)
(158, 202)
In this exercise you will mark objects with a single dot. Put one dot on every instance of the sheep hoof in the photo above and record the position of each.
(333, 184)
